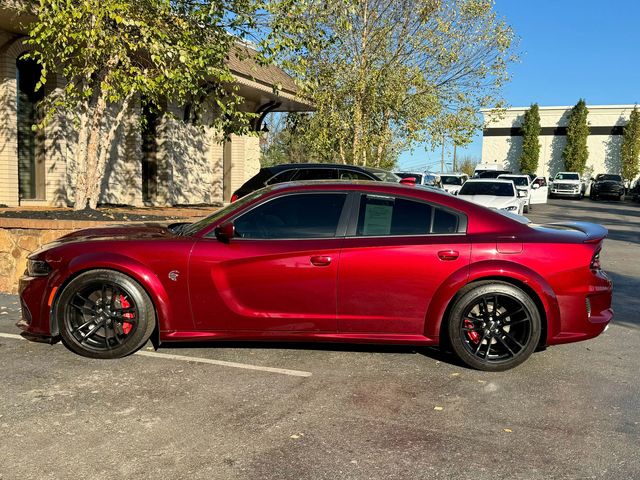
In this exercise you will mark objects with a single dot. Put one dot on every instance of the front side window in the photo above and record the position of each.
(382, 215)
(311, 215)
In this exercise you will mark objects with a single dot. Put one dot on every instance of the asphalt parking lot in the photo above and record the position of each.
(347, 412)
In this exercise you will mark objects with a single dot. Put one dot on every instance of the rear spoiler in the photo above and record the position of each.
(593, 232)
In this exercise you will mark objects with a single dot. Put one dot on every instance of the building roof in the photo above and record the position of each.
(569, 107)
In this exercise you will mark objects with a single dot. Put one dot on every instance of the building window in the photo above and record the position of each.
(149, 153)
(30, 162)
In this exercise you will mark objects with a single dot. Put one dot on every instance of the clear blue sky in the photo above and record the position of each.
(569, 49)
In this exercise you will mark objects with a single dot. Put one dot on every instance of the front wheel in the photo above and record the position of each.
(494, 326)
(104, 314)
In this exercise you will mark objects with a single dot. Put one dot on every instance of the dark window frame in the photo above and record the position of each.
(352, 229)
(340, 229)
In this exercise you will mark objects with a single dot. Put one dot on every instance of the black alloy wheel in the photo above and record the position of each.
(104, 314)
(494, 326)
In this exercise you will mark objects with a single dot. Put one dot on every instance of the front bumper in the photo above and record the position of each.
(35, 321)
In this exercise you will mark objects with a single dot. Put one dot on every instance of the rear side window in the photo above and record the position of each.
(352, 175)
(293, 216)
(285, 176)
(381, 215)
(316, 174)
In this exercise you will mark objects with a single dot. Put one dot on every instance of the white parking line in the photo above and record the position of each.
(209, 361)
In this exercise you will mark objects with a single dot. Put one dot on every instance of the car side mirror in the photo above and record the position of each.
(535, 185)
(408, 181)
(225, 232)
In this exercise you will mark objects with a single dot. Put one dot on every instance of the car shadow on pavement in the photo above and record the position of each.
(434, 353)
(626, 301)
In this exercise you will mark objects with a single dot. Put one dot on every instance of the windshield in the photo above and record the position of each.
(519, 181)
(384, 175)
(567, 176)
(451, 180)
(498, 189)
(195, 227)
(604, 177)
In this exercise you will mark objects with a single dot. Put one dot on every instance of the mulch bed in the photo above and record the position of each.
(106, 215)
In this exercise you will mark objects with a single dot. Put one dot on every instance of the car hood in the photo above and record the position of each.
(144, 231)
(452, 188)
(491, 201)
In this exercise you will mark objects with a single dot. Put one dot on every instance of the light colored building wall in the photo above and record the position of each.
(194, 164)
(8, 120)
(604, 150)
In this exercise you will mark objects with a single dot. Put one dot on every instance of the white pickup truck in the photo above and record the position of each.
(567, 184)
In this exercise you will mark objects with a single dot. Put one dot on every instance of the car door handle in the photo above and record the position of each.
(320, 261)
(448, 255)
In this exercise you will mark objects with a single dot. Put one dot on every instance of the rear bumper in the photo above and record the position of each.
(585, 313)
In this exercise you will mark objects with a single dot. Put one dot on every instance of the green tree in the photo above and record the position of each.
(576, 153)
(530, 142)
(630, 149)
(399, 72)
(114, 53)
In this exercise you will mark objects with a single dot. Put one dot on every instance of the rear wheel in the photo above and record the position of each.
(104, 314)
(494, 326)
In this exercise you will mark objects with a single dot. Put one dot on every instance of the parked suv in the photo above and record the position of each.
(567, 184)
(607, 185)
(291, 172)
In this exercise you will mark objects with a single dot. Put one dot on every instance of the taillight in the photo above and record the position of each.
(234, 197)
(595, 261)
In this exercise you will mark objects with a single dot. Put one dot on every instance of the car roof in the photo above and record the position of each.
(286, 166)
(488, 180)
(515, 175)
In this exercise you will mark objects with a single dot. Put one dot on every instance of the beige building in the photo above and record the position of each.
(502, 137)
(171, 162)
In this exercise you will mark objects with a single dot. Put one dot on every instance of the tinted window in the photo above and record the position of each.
(567, 176)
(293, 216)
(384, 175)
(258, 180)
(285, 176)
(499, 189)
(316, 174)
(604, 177)
(352, 175)
(444, 221)
(519, 181)
(451, 180)
(381, 215)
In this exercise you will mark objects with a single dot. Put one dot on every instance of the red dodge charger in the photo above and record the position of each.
(325, 261)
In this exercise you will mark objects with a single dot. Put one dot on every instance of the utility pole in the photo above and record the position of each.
(442, 157)
(455, 169)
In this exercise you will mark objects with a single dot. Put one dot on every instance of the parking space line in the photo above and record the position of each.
(209, 361)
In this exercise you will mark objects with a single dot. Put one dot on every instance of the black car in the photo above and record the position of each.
(607, 185)
(293, 172)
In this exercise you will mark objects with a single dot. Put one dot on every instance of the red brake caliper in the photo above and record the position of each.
(126, 326)
(473, 335)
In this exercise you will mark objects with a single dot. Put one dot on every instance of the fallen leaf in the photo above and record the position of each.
(438, 408)
(455, 374)
(295, 436)
(508, 430)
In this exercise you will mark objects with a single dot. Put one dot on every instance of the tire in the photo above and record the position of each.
(525, 209)
(473, 330)
(621, 198)
(104, 314)
(593, 197)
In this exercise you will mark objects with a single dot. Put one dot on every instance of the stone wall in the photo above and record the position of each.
(17, 243)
